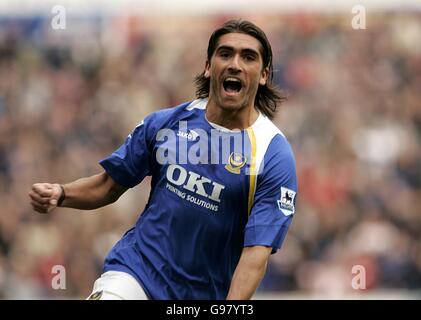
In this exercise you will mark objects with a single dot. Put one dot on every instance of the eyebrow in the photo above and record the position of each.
(246, 50)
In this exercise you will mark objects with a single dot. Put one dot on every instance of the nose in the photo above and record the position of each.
(234, 65)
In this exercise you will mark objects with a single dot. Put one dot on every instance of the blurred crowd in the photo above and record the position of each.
(69, 97)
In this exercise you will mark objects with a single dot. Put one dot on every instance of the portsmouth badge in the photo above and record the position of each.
(235, 162)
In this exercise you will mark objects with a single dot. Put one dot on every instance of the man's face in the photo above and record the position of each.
(235, 71)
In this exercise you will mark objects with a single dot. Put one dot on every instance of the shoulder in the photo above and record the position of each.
(165, 117)
(272, 146)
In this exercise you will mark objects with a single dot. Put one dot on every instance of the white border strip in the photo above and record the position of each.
(194, 7)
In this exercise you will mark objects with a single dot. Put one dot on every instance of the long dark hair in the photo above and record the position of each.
(268, 97)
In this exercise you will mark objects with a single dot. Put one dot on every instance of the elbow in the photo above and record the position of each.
(113, 197)
(113, 191)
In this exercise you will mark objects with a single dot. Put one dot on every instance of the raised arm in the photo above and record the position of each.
(86, 193)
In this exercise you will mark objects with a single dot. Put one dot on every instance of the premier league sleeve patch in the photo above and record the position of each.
(286, 203)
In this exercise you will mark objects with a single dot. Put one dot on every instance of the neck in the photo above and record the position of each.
(231, 119)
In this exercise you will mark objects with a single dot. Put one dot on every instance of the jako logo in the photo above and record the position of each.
(193, 182)
(190, 135)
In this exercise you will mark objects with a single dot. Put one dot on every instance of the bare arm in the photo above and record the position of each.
(249, 272)
(86, 193)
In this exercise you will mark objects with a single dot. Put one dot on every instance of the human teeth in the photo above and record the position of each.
(232, 79)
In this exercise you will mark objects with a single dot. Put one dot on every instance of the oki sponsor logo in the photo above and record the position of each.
(193, 182)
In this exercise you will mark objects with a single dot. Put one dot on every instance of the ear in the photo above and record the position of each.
(207, 69)
(264, 76)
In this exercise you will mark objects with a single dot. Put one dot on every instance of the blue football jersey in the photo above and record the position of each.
(213, 192)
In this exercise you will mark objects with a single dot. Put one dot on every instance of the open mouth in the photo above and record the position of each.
(232, 85)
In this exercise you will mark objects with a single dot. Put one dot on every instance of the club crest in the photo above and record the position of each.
(235, 162)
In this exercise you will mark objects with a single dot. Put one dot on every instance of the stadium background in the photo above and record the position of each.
(69, 97)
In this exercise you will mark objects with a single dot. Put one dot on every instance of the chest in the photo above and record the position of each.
(209, 164)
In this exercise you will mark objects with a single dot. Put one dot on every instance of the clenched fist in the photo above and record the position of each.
(45, 196)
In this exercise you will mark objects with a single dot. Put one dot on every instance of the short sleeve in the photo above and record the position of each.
(131, 162)
(274, 199)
